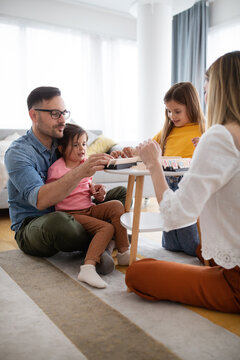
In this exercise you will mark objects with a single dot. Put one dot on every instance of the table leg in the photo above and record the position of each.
(130, 185)
(136, 218)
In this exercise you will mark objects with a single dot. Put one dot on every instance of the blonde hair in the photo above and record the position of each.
(186, 94)
(224, 90)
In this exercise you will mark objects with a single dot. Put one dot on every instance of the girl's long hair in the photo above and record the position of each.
(183, 93)
(224, 90)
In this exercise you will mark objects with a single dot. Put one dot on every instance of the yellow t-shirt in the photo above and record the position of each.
(179, 141)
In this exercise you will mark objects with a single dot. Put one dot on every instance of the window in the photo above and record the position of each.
(97, 76)
(222, 39)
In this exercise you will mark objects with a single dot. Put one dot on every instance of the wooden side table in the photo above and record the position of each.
(138, 221)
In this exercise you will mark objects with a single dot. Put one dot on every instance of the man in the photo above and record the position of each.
(39, 230)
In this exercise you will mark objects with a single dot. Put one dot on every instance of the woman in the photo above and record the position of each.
(210, 190)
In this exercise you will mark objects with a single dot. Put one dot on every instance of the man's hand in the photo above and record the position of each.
(94, 163)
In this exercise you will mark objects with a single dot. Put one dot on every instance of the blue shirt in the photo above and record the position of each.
(27, 161)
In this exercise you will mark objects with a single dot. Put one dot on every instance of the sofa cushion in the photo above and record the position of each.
(5, 143)
(12, 137)
(91, 137)
(3, 177)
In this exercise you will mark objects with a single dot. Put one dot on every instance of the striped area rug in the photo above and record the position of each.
(45, 313)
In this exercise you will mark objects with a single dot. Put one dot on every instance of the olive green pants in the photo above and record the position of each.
(58, 231)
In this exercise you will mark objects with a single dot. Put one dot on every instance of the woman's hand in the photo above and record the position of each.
(150, 152)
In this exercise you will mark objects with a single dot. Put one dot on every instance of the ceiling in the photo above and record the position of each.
(121, 6)
(124, 6)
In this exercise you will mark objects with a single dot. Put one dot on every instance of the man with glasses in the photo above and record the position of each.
(39, 230)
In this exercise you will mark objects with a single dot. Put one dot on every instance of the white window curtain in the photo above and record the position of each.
(223, 39)
(97, 76)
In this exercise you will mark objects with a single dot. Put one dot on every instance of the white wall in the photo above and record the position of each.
(99, 21)
(224, 11)
(70, 15)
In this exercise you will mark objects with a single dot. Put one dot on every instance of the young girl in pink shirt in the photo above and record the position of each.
(102, 221)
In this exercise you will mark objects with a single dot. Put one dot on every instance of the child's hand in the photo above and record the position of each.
(129, 152)
(117, 153)
(126, 152)
(195, 141)
(98, 191)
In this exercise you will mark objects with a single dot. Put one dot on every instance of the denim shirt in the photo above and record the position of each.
(27, 161)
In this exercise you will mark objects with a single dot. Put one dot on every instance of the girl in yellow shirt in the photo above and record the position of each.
(184, 122)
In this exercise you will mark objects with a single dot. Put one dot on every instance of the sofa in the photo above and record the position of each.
(97, 142)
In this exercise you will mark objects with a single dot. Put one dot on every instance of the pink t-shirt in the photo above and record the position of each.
(80, 197)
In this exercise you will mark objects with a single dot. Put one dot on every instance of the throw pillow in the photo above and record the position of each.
(101, 145)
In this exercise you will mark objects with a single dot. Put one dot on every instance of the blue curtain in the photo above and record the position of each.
(189, 46)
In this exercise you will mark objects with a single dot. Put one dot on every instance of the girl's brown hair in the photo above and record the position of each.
(69, 133)
(186, 94)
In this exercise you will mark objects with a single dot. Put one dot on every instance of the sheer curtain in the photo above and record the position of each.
(97, 75)
(189, 46)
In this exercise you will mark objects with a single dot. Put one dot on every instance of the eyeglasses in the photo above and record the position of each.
(56, 114)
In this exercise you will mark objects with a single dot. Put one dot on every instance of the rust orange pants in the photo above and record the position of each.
(102, 221)
(211, 287)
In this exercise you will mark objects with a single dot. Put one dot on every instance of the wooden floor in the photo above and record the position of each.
(7, 241)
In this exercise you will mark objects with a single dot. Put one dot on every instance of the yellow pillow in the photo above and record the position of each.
(100, 145)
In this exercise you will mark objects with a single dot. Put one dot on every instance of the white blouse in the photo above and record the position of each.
(210, 190)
